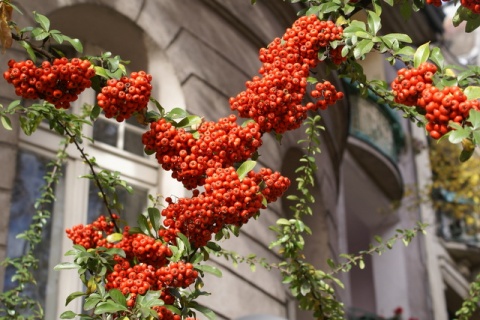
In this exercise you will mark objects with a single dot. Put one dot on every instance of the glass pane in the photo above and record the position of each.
(133, 142)
(105, 131)
(133, 204)
(29, 179)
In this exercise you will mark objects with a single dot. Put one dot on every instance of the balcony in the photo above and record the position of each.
(375, 141)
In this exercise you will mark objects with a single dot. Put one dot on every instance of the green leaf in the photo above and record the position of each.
(66, 265)
(473, 22)
(421, 54)
(74, 295)
(437, 57)
(118, 297)
(245, 168)
(76, 44)
(143, 224)
(206, 311)
(6, 122)
(374, 22)
(305, 288)
(176, 113)
(42, 20)
(474, 118)
(29, 50)
(155, 218)
(456, 136)
(109, 307)
(68, 315)
(363, 47)
(361, 264)
(114, 237)
(283, 221)
(209, 269)
(472, 92)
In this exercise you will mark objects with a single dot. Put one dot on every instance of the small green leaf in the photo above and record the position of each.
(209, 269)
(42, 20)
(245, 168)
(29, 50)
(361, 264)
(472, 92)
(109, 307)
(437, 57)
(456, 136)
(421, 54)
(155, 218)
(118, 297)
(176, 113)
(6, 122)
(76, 44)
(114, 237)
(66, 265)
(374, 22)
(283, 221)
(474, 118)
(68, 315)
(206, 311)
(74, 295)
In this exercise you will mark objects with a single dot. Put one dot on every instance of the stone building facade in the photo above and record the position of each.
(200, 53)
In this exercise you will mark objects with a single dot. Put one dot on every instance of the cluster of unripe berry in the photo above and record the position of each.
(413, 87)
(274, 100)
(146, 265)
(121, 98)
(219, 144)
(59, 82)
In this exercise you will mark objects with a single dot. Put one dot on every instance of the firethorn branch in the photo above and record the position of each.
(405, 236)
(35, 48)
(84, 156)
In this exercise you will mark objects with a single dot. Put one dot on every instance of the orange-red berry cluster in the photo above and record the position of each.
(410, 82)
(275, 100)
(59, 82)
(139, 278)
(473, 5)
(413, 87)
(120, 99)
(145, 266)
(444, 105)
(326, 94)
(227, 200)
(91, 235)
(219, 144)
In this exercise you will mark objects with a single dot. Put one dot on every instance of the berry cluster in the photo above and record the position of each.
(145, 266)
(473, 5)
(413, 87)
(274, 100)
(442, 106)
(227, 200)
(59, 82)
(122, 98)
(91, 235)
(219, 144)
(275, 183)
(326, 94)
(138, 279)
(410, 82)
